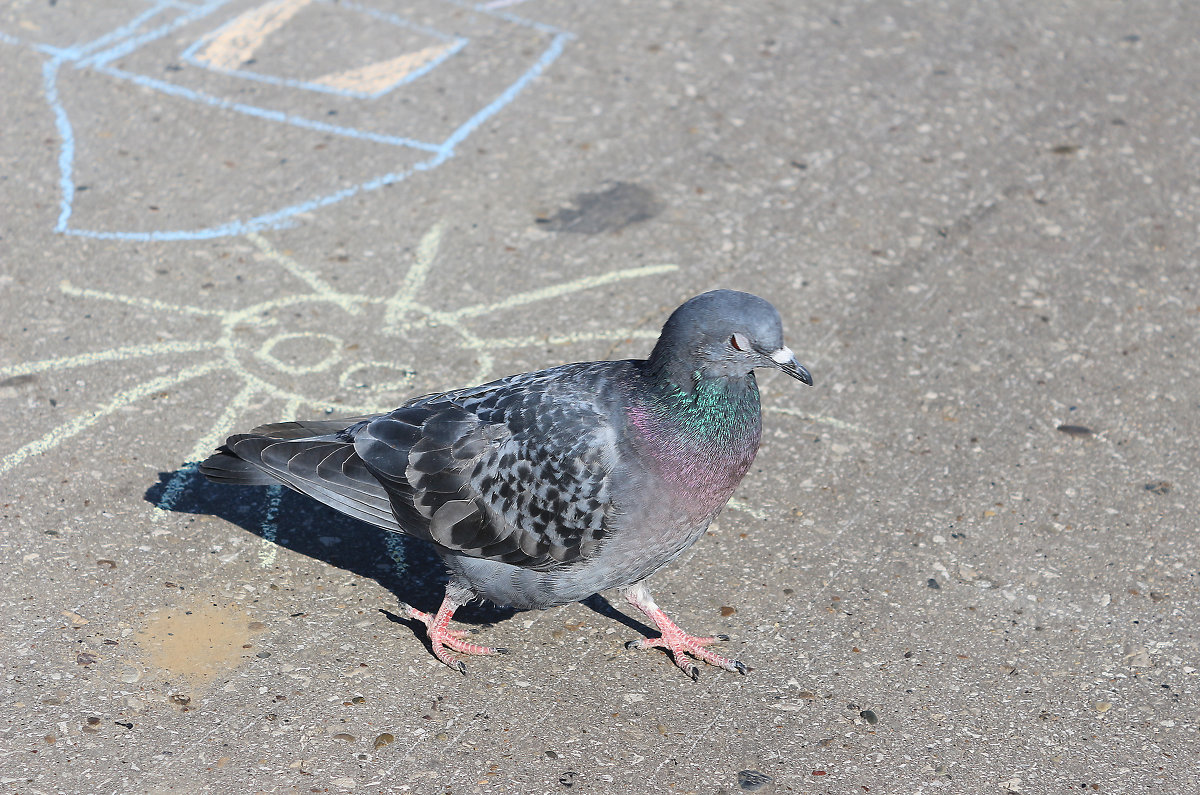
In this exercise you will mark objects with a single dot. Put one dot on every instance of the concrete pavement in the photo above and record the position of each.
(966, 562)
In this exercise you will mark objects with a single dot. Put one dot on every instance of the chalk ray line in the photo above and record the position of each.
(738, 505)
(832, 421)
(414, 280)
(309, 277)
(568, 339)
(111, 355)
(203, 447)
(133, 300)
(84, 421)
(553, 291)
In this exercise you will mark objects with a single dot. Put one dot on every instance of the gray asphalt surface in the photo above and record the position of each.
(966, 562)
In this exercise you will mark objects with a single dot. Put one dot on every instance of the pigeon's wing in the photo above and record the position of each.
(517, 471)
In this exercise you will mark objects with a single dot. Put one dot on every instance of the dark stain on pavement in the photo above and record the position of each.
(608, 210)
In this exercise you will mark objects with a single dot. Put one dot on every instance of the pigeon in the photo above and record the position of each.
(548, 487)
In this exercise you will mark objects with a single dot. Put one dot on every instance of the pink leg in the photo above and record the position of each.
(675, 640)
(441, 637)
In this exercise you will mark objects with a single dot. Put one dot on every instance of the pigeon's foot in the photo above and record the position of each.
(441, 637)
(675, 640)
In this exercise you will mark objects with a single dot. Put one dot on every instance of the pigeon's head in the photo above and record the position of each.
(724, 333)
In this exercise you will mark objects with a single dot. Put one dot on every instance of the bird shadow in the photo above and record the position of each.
(406, 566)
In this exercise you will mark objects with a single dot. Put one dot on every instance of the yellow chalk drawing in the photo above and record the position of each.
(265, 372)
(234, 46)
(86, 420)
(841, 425)
(235, 43)
(381, 76)
(403, 300)
(740, 505)
(333, 357)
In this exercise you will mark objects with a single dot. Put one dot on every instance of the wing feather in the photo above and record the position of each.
(517, 470)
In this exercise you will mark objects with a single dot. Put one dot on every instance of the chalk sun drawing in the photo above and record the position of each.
(416, 89)
(305, 360)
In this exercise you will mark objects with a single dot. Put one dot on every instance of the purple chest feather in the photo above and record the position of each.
(702, 442)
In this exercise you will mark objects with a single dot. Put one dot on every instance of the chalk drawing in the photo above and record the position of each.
(228, 48)
(251, 342)
(238, 31)
(833, 422)
(235, 43)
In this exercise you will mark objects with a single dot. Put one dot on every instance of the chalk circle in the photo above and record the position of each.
(333, 357)
(348, 379)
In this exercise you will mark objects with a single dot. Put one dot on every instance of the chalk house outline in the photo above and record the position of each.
(165, 17)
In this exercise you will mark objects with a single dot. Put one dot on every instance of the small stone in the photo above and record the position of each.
(1138, 657)
(1102, 706)
(1077, 431)
(1158, 487)
(752, 780)
(869, 716)
(349, 738)
(384, 739)
(932, 583)
(727, 611)
(180, 699)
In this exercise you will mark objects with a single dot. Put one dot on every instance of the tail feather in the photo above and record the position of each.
(309, 457)
(305, 429)
(225, 467)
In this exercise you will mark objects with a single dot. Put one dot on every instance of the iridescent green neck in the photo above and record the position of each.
(717, 410)
(703, 440)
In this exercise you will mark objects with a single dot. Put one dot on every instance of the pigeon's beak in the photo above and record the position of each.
(785, 360)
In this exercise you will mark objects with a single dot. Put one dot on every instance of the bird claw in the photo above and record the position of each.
(443, 639)
(680, 644)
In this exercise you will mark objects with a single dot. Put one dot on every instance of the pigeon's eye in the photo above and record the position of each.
(739, 343)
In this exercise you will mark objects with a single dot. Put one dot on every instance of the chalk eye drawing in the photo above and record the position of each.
(314, 101)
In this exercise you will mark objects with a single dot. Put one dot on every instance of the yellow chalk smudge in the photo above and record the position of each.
(235, 44)
(381, 76)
